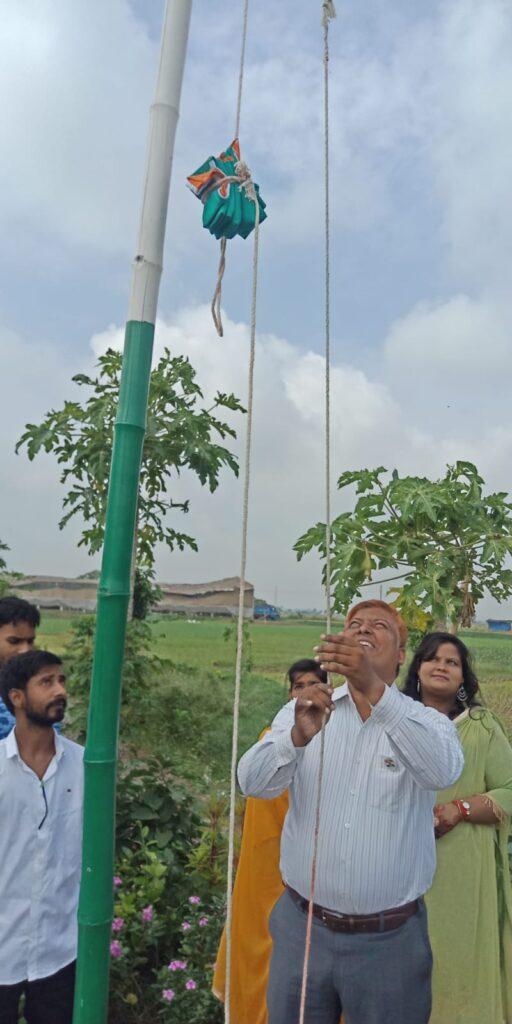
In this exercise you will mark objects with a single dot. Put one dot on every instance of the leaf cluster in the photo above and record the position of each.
(150, 796)
(4, 583)
(141, 672)
(182, 433)
(446, 541)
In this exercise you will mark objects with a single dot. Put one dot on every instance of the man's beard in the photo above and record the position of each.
(52, 713)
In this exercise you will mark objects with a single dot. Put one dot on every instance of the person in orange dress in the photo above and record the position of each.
(258, 886)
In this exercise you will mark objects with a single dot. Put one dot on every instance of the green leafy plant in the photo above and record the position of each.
(230, 636)
(208, 856)
(445, 541)
(164, 938)
(142, 923)
(145, 594)
(184, 985)
(141, 672)
(181, 434)
(4, 583)
(150, 796)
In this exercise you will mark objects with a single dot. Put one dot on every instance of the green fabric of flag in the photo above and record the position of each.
(227, 208)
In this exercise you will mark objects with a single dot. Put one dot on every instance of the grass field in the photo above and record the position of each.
(189, 715)
(275, 645)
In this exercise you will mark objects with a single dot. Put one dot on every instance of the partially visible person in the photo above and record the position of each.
(18, 623)
(41, 797)
(470, 902)
(258, 886)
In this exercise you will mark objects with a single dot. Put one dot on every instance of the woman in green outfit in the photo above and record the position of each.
(470, 902)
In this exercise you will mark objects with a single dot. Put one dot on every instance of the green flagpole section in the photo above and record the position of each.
(96, 893)
(96, 890)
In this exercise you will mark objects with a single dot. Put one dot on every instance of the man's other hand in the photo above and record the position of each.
(312, 709)
(346, 655)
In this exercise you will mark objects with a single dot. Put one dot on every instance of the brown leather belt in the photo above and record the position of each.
(385, 921)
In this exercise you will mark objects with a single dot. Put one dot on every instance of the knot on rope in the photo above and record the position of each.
(242, 170)
(243, 173)
(328, 11)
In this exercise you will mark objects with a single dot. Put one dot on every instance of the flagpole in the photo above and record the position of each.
(96, 891)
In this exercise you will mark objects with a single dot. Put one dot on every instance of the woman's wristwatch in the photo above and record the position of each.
(464, 808)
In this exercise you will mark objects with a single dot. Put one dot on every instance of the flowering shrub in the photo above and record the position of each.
(162, 955)
(184, 984)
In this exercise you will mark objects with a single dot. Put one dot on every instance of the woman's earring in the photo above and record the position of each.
(418, 684)
(462, 695)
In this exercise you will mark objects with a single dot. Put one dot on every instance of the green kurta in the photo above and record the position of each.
(470, 903)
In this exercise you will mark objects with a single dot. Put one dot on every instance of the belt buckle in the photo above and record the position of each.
(323, 917)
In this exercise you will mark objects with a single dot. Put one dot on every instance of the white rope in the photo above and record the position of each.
(328, 12)
(217, 296)
(251, 192)
(242, 70)
(241, 177)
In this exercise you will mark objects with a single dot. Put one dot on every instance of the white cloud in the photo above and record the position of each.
(35, 378)
(372, 424)
(421, 141)
(76, 83)
(370, 427)
(471, 136)
(452, 343)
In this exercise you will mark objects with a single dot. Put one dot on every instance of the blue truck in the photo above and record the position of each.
(266, 611)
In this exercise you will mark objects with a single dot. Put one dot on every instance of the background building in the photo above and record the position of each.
(220, 597)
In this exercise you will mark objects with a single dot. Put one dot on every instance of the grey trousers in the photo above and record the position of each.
(376, 978)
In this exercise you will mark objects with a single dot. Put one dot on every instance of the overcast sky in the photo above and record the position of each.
(422, 232)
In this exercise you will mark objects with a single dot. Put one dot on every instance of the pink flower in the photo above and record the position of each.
(186, 926)
(147, 913)
(117, 881)
(116, 949)
(194, 899)
(168, 995)
(177, 965)
(117, 924)
(190, 985)
(203, 921)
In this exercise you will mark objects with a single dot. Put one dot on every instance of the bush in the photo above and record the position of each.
(150, 798)
(162, 951)
(183, 986)
(141, 671)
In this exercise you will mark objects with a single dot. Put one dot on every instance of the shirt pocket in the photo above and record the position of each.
(68, 841)
(386, 783)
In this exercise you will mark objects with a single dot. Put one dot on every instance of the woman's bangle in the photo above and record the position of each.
(464, 808)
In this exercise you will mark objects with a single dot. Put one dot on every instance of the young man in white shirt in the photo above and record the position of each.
(41, 800)
(385, 758)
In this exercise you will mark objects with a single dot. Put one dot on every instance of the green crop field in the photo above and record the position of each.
(189, 712)
(275, 645)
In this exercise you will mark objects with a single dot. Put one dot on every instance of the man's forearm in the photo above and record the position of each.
(267, 769)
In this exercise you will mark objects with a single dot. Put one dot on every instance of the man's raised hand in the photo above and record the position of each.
(344, 655)
(312, 709)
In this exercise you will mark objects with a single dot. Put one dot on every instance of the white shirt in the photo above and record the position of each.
(376, 842)
(40, 861)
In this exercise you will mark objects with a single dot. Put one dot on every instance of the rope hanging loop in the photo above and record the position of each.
(242, 178)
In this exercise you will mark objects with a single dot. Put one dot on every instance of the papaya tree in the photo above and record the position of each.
(444, 544)
(183, 434)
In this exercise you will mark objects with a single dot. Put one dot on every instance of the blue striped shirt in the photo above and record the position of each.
(6, 720)
(376, 845)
